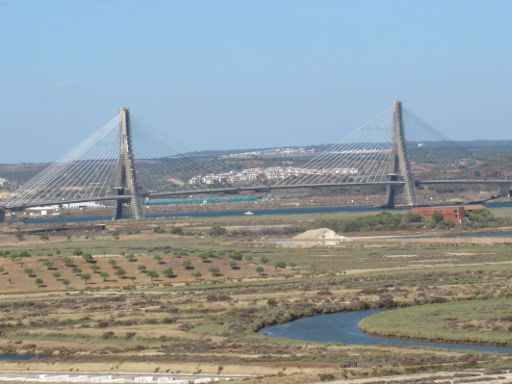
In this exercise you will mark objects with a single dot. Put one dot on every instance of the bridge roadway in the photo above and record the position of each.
(504, 184)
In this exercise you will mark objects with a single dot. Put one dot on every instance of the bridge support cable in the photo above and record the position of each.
(79, 174)
(163, 169)
(356, 158)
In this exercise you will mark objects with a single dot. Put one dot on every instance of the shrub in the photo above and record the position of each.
(272, 302)
(77, 252)
(107, 335)
(120, 272)
(131, 258)
(215, 271)
(168, 272)
(177, 231)
(29, 271)
(233, 264)
(264, 260)
(217, 230)
(39, 281)
(187, 264)
(159, 230)
(104, 276)
(280, 264)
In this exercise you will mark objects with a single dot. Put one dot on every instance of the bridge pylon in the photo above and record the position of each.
(126, 177)
(399, 167)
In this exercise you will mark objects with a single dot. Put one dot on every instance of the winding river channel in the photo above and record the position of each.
(343, 328)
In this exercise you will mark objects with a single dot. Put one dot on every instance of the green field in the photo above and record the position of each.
(469, 321)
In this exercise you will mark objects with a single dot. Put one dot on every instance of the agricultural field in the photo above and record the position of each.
(187, 296)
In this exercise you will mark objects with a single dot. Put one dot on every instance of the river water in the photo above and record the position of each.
(18, 357)
(228, 213)
(343, 328)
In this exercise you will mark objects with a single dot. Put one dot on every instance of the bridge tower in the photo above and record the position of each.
(399, 168)
(126, 179)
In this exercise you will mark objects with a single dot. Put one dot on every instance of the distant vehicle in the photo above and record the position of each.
(248, 213)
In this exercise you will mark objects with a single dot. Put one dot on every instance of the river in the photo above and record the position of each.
(343, 328)
(228, 213)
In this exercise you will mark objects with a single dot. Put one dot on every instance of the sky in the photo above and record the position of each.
(229, 74)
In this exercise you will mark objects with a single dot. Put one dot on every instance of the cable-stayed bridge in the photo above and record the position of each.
(125, 163)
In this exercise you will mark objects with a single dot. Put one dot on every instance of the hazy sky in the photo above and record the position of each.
(238, 74)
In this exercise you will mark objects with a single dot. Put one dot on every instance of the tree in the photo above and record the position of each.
(152, 275)
(85, 277)
(141, 267)
(204, 257)
(131, 258)
(236, 255)
(215, 271)
(104, 276)
(279, 264)
(112, 262)
(56, 275)
(168, 272)
(120, 272)
(187, 264)
(39, 281)
(437, 217)
(260, 269)
(76, 270)
(158, 259)
(196, 274)
(65, 282)
(233, 264)
(95, 268)
(2, 269)
(29, 271)
(48, 264)
(88, 257)
(264, 260)
(68, 261)
(77, 252)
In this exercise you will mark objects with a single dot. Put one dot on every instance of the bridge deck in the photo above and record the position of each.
(257, 188)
